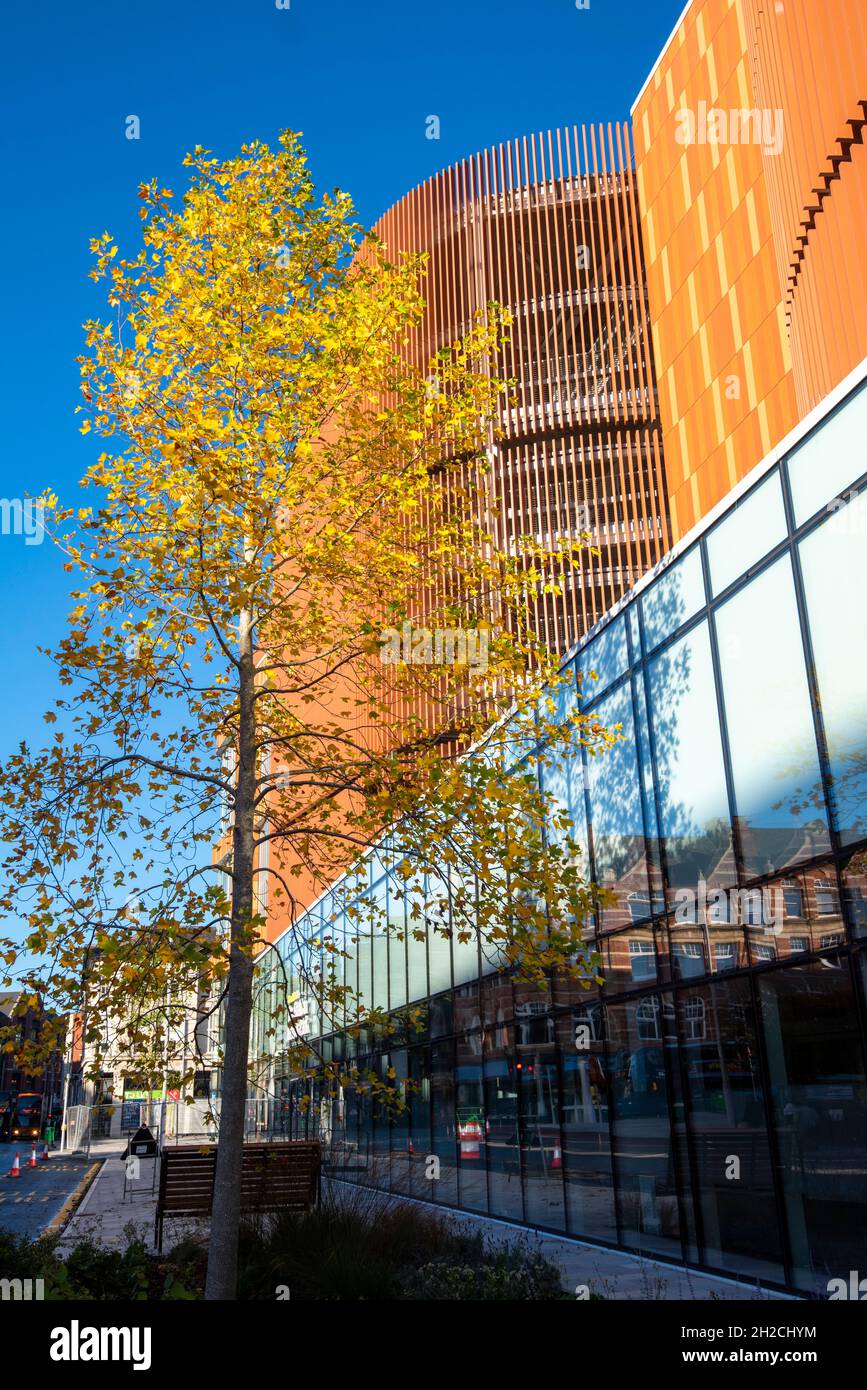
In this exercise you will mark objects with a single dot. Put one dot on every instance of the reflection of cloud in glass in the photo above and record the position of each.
(769, 721)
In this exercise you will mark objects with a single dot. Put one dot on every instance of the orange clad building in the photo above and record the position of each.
(548, 227)
(752, 182)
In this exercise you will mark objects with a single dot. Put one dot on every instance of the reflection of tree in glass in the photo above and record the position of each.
(848, 792)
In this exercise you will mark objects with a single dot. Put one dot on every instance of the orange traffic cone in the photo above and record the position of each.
(31, 1162)
(45, 1155)
(15, 1170)
(557, 1159)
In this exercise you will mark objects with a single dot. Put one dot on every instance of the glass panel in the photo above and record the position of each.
(754, 527)
(656, 903)
(727, 1124)
(775, 766)
(834, 565)
(364, 1106)
(819, 1101)
(673, 599)
(359, 926)
(465, 953)
(587, 1169)
(467, 1007)
(444, 1138)
(541, 1143)
(396, 945)
(497, 1005)
(646, 1191)
(333, 930)
(351, 944)
(689, 762)
(470, 1102)
(797, 914)
(634, 632)
(416, 939)
(607, 657)
(505, 1193)
(628, 958)
(379, 930)
(616, 813)
(561, 775)
(419, 1088)
(438, 918)
(855, 893)
(380, 1146)
(831, 460)
(559, 701)
(401, 1147)
(689, 959)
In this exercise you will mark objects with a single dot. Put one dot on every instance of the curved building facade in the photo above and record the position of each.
(548, 227)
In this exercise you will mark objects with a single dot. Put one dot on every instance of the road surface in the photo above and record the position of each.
(29, 1203)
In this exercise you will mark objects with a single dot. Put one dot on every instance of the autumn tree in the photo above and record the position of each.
(282, 492)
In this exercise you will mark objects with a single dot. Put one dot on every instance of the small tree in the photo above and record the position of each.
(289, 493)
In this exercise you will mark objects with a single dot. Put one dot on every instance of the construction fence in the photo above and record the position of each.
(170, 1122)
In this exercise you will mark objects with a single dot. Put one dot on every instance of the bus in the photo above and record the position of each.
(27, 1116)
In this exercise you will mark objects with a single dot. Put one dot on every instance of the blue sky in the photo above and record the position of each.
(358, 79)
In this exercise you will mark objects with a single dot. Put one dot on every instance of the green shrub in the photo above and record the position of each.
(357, 1248)
(512, 1275)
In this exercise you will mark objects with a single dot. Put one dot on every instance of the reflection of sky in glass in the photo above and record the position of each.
(646, 765)
(834, 564)
(755, 526)
(607, 656)
(615, 805)
(689, 758)
(635, 635)
(773, 749)
(673, 599)
(830, 461)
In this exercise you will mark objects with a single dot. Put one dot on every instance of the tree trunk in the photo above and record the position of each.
(221, 1281)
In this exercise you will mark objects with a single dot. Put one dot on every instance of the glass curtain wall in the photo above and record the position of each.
(709, 1102)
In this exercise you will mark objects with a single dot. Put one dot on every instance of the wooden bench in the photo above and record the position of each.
(273, 1176)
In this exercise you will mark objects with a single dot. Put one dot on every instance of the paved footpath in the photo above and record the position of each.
(115, 1212)
(30, 1203)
